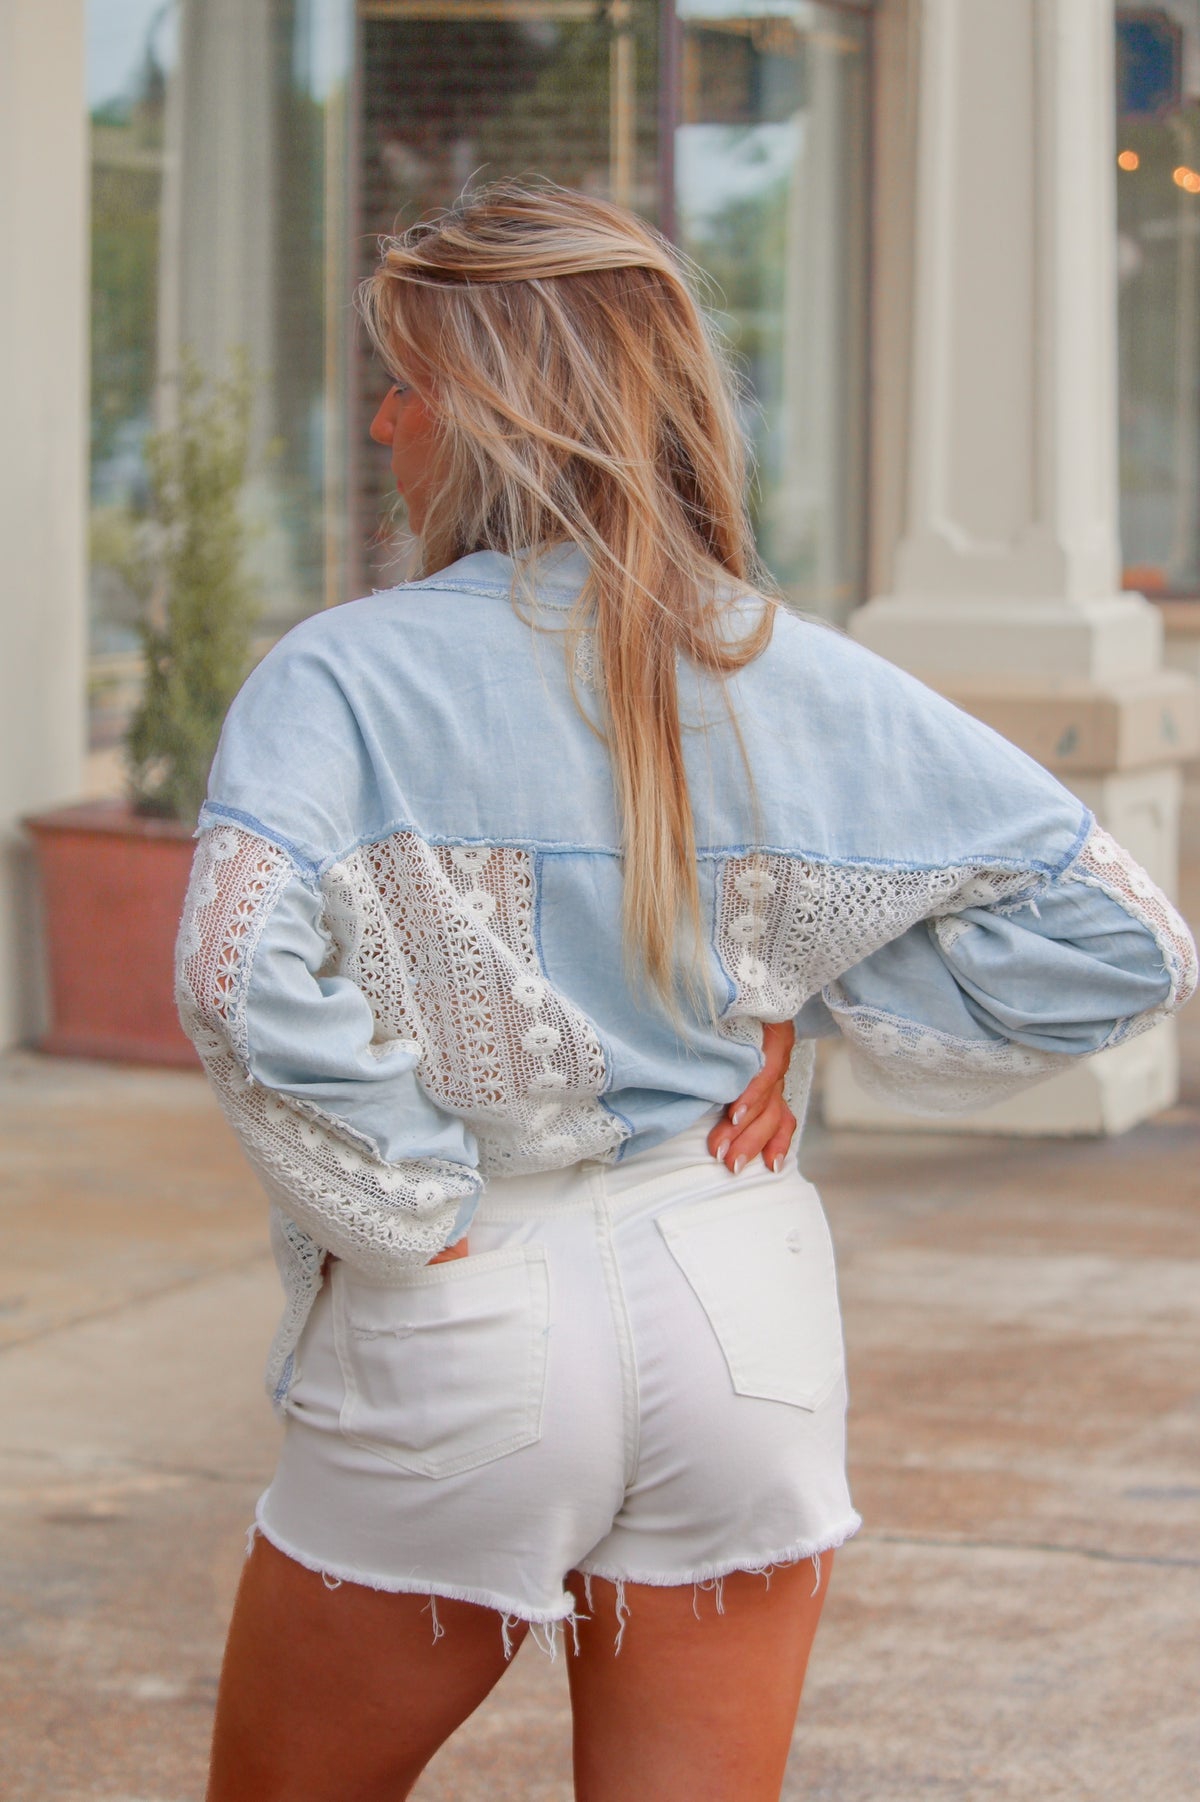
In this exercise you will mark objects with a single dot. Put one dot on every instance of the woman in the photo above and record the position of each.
(501, 874)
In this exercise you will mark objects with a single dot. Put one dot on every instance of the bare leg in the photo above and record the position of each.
(693, 1710)
(341, 1694)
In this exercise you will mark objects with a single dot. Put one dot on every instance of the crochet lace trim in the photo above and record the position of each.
(441, 940)
(1104, 864)
(788, 928)
(925, 1071)
(329, 1183)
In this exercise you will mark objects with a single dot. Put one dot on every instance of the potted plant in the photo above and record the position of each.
(113, 873)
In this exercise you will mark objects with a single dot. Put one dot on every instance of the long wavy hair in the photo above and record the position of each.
(579, 393)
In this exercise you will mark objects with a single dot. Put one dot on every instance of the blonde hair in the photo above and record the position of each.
(579, 394)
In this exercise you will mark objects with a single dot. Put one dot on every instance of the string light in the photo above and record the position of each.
(1186, 178)
(1128, 159)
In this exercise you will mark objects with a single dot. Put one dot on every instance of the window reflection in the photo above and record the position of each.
(771, 186)
(462, 90)
(218, 227)
(220, 222)
(1158, 267)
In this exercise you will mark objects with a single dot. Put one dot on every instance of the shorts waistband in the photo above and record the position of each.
(679, 1162)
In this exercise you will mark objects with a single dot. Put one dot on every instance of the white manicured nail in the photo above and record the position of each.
(739, 1116)
(739, 1166)
(722, 1148)
(777, 1166)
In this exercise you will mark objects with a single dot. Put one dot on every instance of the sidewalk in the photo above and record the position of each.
(1018, 1619)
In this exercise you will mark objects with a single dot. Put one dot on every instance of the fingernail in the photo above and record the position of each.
(738, 1116)
(777, 1166)
(739, 1166)
(722, 1148)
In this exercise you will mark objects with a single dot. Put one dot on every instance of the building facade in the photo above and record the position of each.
(925, 225)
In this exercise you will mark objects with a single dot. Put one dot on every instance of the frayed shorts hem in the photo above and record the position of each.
(513, 1611)
(797, 1553)
(335, 1574)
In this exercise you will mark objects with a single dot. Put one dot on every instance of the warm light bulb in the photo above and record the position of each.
(1183, 176)
(1128, 159)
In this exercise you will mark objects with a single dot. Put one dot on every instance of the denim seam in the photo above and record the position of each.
(714, 940)
(538, 858)
(305, 864)
(631, 1403)
(537, 912)
(616, 1113)
(313, 866)
(550, 594)
(1087, 821)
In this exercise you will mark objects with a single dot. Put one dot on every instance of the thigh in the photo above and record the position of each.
(699, 1702)
(343, 1693)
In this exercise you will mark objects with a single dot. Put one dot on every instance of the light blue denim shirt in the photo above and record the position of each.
(401, 957)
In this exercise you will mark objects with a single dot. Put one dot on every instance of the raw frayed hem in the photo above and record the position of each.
(712, 1577)
(544, 1624)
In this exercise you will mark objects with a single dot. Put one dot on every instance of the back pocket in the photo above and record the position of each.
(445, 1368)
(761, 1265)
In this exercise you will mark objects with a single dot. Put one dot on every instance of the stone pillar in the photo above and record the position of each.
(43, 454)
(1005, 589)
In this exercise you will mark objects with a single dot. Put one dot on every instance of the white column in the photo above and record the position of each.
(43, 452)
(1012, 441)
(807, 505)
(219, 202)
(219, 244)
(1005, 590)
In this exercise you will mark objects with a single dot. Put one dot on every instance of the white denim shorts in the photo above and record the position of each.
(636, 1373)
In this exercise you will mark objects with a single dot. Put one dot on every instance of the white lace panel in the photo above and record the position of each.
(301, 1264)
(585, 662)
(787, 927)
(234, 884)
(441, 940)
(324, 1176)
(923, 1071)
(1104, 864)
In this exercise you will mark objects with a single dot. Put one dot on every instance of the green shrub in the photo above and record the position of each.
(197, 602)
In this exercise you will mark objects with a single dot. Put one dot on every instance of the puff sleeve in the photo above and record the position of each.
(970, 1005)
(332, 1115)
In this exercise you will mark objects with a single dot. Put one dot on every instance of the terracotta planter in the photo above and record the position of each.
(113, 885)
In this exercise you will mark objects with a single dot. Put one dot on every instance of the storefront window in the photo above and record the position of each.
(219, 231)
(455, 91)
(1158, 210)
(740, 127)
(771, 184)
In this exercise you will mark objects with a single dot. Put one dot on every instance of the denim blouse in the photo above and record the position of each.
(401, 956)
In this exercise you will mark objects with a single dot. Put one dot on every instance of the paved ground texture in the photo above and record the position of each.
(1018, 1620)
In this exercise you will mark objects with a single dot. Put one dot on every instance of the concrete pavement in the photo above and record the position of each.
(1018, 1619)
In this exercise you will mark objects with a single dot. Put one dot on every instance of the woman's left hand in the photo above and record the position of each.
(451, 1252)
(760, 1120)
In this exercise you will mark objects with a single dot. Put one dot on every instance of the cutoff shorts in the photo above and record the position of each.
(636, 1373)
